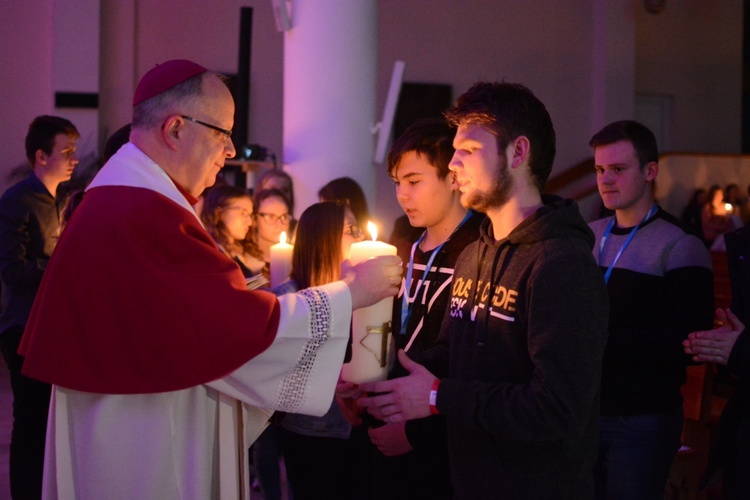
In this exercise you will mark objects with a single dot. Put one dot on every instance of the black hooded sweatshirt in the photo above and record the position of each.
(522, 342)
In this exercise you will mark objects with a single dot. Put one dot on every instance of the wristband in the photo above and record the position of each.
(433, 397)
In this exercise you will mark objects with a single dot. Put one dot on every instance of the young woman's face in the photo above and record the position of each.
(351, 233)
(237, 217)
(272, 218)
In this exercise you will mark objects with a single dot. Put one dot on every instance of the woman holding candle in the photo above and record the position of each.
(322, 461)
(227, 214)
(272, 217)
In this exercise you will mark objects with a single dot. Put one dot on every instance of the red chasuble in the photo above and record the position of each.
(137, 299)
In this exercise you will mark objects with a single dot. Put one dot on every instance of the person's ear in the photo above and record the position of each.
(171, 131)
(651, 170)
(521, 149)
(40, 157)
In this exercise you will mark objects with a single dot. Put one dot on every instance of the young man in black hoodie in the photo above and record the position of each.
(518, 369)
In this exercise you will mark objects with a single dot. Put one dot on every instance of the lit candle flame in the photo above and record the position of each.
(728, 207)
(373, 230)
(282, 237)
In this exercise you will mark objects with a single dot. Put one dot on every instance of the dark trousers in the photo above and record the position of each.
(328, 468)
(30, 408)
(266, 453)
(635, 454)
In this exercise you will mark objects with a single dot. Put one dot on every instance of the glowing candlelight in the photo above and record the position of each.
(281, 260)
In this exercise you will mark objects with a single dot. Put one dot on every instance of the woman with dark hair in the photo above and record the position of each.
(321, 459)
(322, 243)
(346, 190)
(227, 214)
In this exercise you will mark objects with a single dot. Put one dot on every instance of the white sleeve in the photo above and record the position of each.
(299, 371)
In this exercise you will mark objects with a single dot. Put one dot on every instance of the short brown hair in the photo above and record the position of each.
(510, 110)
(431, 139)
(42, 132)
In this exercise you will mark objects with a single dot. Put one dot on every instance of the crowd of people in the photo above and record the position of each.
(539, 356)
(712, 213)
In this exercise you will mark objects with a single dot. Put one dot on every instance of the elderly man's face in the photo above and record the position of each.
(209, 148)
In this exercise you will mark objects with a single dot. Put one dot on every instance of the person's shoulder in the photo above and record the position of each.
(21, 187)
(140, 211)
(19, 194)
(128, 198)
(684, 248)
(669, 228)
(676, 224)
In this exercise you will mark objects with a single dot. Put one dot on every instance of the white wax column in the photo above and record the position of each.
(369, 363)
(281, 261)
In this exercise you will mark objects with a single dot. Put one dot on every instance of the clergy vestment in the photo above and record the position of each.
(165, 368)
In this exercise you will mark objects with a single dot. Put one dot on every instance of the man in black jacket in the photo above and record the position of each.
(29, 229)
(517, 372)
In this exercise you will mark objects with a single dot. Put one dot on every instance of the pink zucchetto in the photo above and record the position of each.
(165, 76)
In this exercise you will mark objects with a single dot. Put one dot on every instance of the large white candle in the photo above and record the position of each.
(370, 343)
(281, 261)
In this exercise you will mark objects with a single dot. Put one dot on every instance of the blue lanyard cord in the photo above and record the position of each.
(608, 230)
(406, 309)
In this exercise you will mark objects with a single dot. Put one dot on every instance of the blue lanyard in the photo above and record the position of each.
(624, 245)
(405, 308)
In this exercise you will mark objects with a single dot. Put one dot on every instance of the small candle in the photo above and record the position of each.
(281, 260)
(371, 342)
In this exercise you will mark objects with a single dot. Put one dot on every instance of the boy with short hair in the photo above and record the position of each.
(415, 455)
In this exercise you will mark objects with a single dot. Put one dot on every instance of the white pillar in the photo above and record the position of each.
(117, 77)
(613, 62)
(330, 59)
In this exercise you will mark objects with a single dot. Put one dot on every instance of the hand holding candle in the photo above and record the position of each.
(370, 325)
(281, 261)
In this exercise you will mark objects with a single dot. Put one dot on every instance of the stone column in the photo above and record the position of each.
(117, 79)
